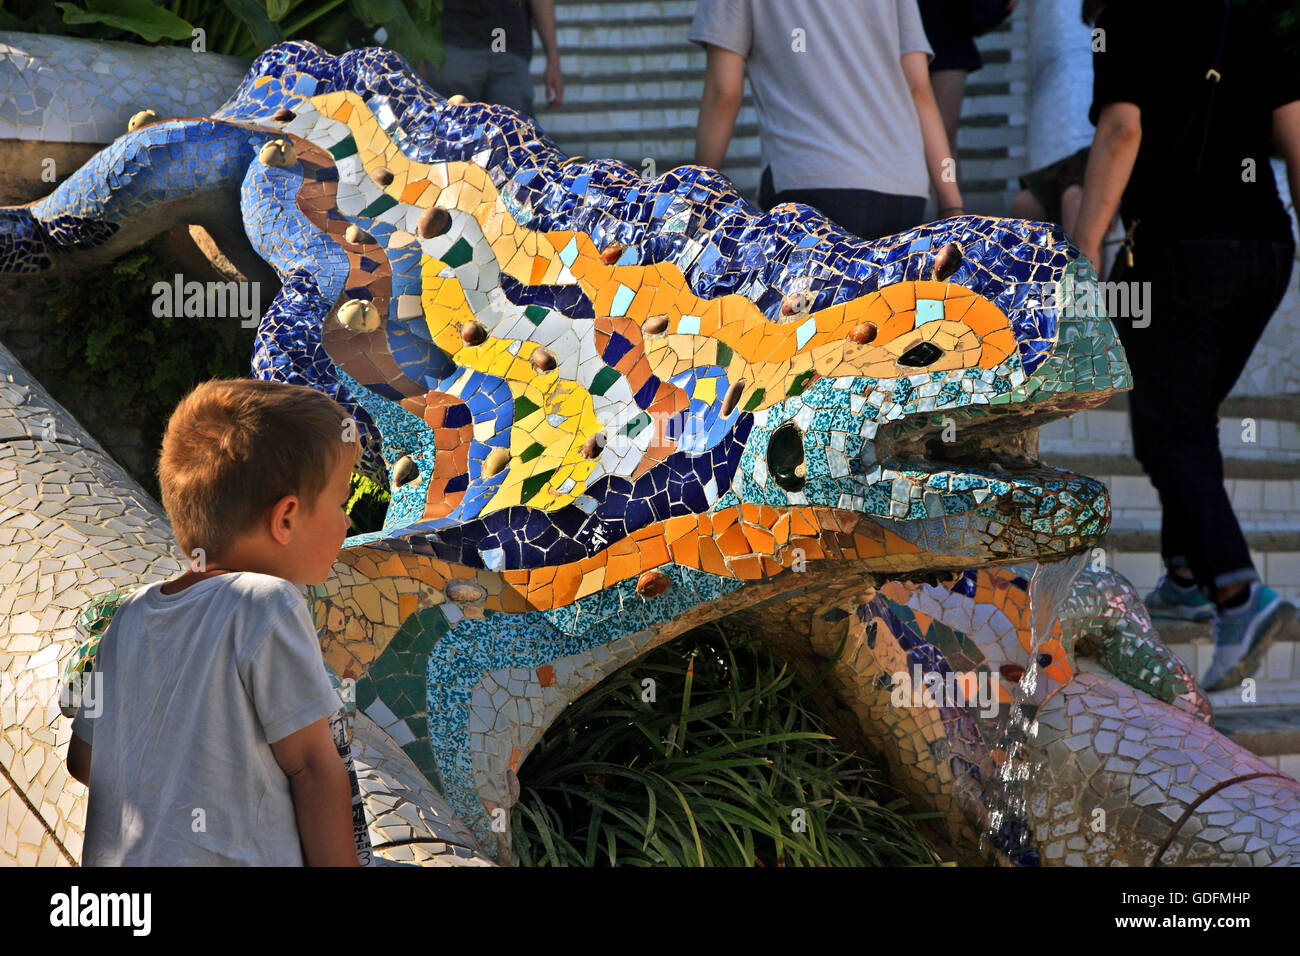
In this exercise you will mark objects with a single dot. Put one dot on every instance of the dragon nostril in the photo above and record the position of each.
(920, 355)
(785, 461)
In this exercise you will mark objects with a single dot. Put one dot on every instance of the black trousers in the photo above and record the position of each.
(1209, 301)
(863, 212)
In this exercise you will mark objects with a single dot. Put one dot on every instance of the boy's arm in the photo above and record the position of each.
(79, 759)
(322, 794)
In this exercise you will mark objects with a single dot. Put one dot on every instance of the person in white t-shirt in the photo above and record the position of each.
(206, 740)
(847, 119)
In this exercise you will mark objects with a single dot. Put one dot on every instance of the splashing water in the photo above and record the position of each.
(1008, 827)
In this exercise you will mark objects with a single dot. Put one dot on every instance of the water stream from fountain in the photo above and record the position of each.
(1008, 827)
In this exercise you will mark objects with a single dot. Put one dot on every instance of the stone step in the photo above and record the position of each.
(1248, 427)
(1266, 731)
(997, 78)
(1268, 726)
(1260, 442)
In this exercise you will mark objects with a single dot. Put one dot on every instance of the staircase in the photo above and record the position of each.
(633, 82)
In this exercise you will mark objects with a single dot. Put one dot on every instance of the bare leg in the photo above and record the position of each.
(1027, 206)
(1070, 200)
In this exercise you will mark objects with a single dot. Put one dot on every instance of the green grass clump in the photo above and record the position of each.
(709, 774)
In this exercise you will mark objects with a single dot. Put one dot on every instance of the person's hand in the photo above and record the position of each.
(554, 83)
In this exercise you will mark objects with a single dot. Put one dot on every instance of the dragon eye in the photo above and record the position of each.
(785, 462)
(921, 355)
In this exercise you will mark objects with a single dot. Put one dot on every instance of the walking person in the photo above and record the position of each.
(488, 46)
(847, 119)
(951, 27)
(1182, 146)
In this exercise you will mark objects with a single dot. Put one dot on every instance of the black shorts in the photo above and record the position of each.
(1048, 183)
(954, 47)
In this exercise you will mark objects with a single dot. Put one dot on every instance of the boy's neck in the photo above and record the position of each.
(190, 577)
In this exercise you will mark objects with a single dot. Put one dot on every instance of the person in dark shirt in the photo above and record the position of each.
(489, 44)
(1186, 159)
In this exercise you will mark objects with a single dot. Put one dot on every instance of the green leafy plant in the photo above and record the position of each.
(242, 28)
(367, 506)
(719, 771)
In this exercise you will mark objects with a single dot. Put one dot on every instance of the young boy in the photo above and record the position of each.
(210, 721)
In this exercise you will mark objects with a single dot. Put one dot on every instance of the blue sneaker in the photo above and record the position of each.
(1242, 635)
(1172, 600)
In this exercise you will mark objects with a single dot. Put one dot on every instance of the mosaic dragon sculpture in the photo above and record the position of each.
(612, 409)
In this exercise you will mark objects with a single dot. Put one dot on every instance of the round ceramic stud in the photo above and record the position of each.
(404, 471)
(863, 333)
(473, 333)
(655, 324)
(382, 175)
(732, 398)
(434, 221)
(594, 445)
(357, 236)
(358, 315)
(542, 360)
(278, 152)
(465, 592)
(609, 255)
(796, 303)
(653, 583)
(458, 100)
(284, 115)
(947, 261)
(142, 118)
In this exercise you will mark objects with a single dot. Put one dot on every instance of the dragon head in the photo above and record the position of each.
(560, 357)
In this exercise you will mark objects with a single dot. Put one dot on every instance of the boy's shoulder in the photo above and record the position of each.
(254, 585)
(265, 595)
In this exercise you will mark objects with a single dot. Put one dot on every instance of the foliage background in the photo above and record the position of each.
(242, 28)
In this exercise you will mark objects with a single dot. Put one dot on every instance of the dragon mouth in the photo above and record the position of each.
(1003, 445)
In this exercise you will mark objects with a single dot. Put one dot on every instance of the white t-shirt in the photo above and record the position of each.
(834, 109)
(192, 689)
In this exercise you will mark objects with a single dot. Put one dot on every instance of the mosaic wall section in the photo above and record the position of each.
(67, 90)
(611, 408)
(1169, 789)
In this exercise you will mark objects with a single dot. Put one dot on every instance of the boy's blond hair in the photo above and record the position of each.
(234, 447)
